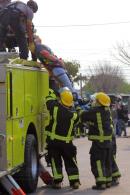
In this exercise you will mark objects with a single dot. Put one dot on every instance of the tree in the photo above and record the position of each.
(123, 53)
(72, 68)
(105, 77)
(125, 87)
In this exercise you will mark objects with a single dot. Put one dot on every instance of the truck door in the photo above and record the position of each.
(18, 115)
(30, 79)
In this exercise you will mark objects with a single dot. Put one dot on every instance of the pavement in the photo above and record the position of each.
(86, 177)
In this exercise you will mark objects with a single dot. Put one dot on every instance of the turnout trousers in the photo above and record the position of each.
(101, 163)
(58, 152)
(115, 170)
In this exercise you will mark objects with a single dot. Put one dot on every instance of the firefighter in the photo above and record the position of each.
(18, 17)
(60, 134)
(53, 64)
(99, 121)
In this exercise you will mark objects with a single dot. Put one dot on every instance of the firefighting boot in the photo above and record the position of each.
(75, 185)
(57, 185)
(115, 181)
(99, 187)
(108, 185)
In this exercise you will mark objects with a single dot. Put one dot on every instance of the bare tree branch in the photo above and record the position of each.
(105, 77)
(123, 54)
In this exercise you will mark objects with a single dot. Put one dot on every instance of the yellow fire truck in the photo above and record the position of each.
(23, 117)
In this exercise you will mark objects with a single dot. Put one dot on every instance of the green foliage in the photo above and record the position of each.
(125, 87)
(89, 88)
(72, 68)
(120, 86)
(105, 77)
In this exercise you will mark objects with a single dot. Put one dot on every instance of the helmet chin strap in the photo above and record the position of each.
(96, 103)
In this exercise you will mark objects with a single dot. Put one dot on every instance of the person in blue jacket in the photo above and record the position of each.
(53, 64)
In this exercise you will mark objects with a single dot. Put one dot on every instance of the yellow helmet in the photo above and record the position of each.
(66, 96)
(103, 99)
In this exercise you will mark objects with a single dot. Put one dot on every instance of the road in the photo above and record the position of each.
(86, 177)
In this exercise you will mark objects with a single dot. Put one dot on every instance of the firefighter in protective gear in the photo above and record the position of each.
(100, 131)
(60, 134)
(18, 17)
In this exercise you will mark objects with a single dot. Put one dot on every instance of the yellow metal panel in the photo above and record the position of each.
(30, 79)
(43, 89)
(18, 141)
(29, 89)
(17, 93)
(9, 134)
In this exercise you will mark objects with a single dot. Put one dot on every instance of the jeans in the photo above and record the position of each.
(12, 18)
(61, 75)
(121, 127)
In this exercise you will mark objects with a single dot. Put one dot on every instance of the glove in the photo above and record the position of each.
(52, 94)
(32, 47)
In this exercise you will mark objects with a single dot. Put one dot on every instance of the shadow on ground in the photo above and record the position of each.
(68, 191)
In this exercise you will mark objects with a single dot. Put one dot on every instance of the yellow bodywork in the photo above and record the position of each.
(27, 85)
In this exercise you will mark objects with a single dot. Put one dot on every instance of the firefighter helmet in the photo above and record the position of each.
(66, 96)
(33, 5)
(103, 99)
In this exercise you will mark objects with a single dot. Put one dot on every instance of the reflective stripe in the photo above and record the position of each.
(100, 173)
(78, 132)
(99, 121)
(101, 137)
(55, 123)
(53, 134)
(55, 173)
(74, 160)
(116, 173)
(112, 126)
(98, 179)
(109, 179)
(97, 137)
(59, 137)
(50, 98)
(73, 177)
(71, 126)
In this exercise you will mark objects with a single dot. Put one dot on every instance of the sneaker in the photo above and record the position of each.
(75, 185)
(56, 185)
(99, 187)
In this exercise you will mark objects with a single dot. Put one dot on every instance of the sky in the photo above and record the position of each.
(84, 30)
